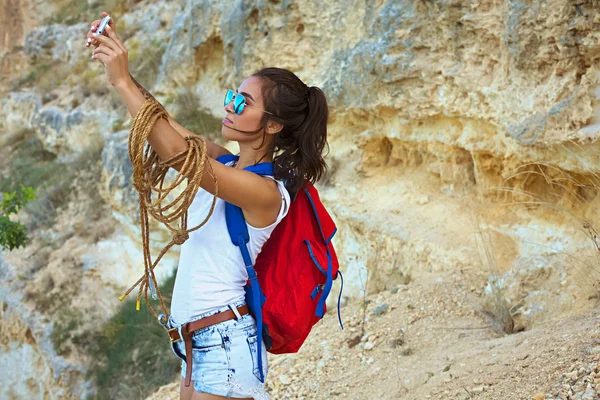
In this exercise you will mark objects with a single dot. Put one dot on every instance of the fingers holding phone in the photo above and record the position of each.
(99, 26)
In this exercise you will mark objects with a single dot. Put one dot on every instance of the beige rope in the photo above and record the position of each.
(148, 175)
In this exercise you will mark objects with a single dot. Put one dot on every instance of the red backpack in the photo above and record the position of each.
(289, 284)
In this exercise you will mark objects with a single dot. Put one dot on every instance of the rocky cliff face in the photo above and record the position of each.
(463, 138)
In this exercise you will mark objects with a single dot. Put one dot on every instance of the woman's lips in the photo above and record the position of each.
(227, 122)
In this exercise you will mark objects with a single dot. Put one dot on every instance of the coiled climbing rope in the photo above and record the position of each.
(149, 173)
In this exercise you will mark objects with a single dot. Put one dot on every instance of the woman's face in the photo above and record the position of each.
(248, 122)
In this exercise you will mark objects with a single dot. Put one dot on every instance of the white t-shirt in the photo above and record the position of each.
(211, 271)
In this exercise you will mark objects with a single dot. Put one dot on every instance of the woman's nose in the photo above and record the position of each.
(229, 107)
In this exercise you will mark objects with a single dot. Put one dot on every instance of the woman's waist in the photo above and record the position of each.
(240, 318)
(187, 307)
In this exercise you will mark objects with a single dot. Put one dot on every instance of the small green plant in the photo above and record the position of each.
(14, 234)
(118, 125)
(63, 331)
(495, 309)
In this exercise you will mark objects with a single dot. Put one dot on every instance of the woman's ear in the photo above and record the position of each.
(273, 127)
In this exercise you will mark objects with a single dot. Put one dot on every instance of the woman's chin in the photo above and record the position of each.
(226, 132)
(230, 133)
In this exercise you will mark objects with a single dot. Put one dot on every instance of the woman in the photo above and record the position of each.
(274, 117)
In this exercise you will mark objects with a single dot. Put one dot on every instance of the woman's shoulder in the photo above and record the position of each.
(267, 222)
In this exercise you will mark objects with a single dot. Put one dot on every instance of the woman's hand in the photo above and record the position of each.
(90, 39)
(112, 53)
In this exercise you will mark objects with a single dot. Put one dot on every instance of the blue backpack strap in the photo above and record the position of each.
(238, 232)
(265, 168)
(225, 158)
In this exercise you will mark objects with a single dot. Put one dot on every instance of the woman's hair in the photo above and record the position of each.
(302, 110)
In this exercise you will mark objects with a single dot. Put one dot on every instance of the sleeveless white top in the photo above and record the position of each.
(211, 271)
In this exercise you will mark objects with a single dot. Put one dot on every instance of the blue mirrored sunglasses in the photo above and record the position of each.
(239, 102)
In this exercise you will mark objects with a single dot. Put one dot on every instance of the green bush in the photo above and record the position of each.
(13, 234)
(131, 353)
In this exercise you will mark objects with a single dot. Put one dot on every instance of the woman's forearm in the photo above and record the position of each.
(146, 93)
(131, 96)
(214, 150)
(163, 138)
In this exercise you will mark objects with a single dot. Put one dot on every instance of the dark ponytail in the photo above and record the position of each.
(303, 112)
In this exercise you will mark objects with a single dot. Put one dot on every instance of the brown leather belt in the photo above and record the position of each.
(189, 328)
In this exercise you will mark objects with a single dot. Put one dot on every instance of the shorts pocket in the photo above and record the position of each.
(207, 340)
(205, 349)
(253, 346)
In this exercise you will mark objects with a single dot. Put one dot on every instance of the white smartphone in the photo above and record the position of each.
(102, 25)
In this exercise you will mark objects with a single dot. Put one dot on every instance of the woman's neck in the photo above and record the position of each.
(248, 158)
(241, 164)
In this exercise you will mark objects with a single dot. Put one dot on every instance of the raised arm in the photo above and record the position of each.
(214, 150)
(259, 197)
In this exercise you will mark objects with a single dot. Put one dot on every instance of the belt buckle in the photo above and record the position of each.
(170, 338)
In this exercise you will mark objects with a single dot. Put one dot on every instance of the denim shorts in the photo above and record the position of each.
(225, 357)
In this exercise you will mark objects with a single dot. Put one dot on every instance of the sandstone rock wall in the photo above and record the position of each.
(462, 134)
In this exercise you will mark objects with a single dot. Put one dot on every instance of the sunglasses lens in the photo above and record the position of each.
(228, 97)
(238, 104)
